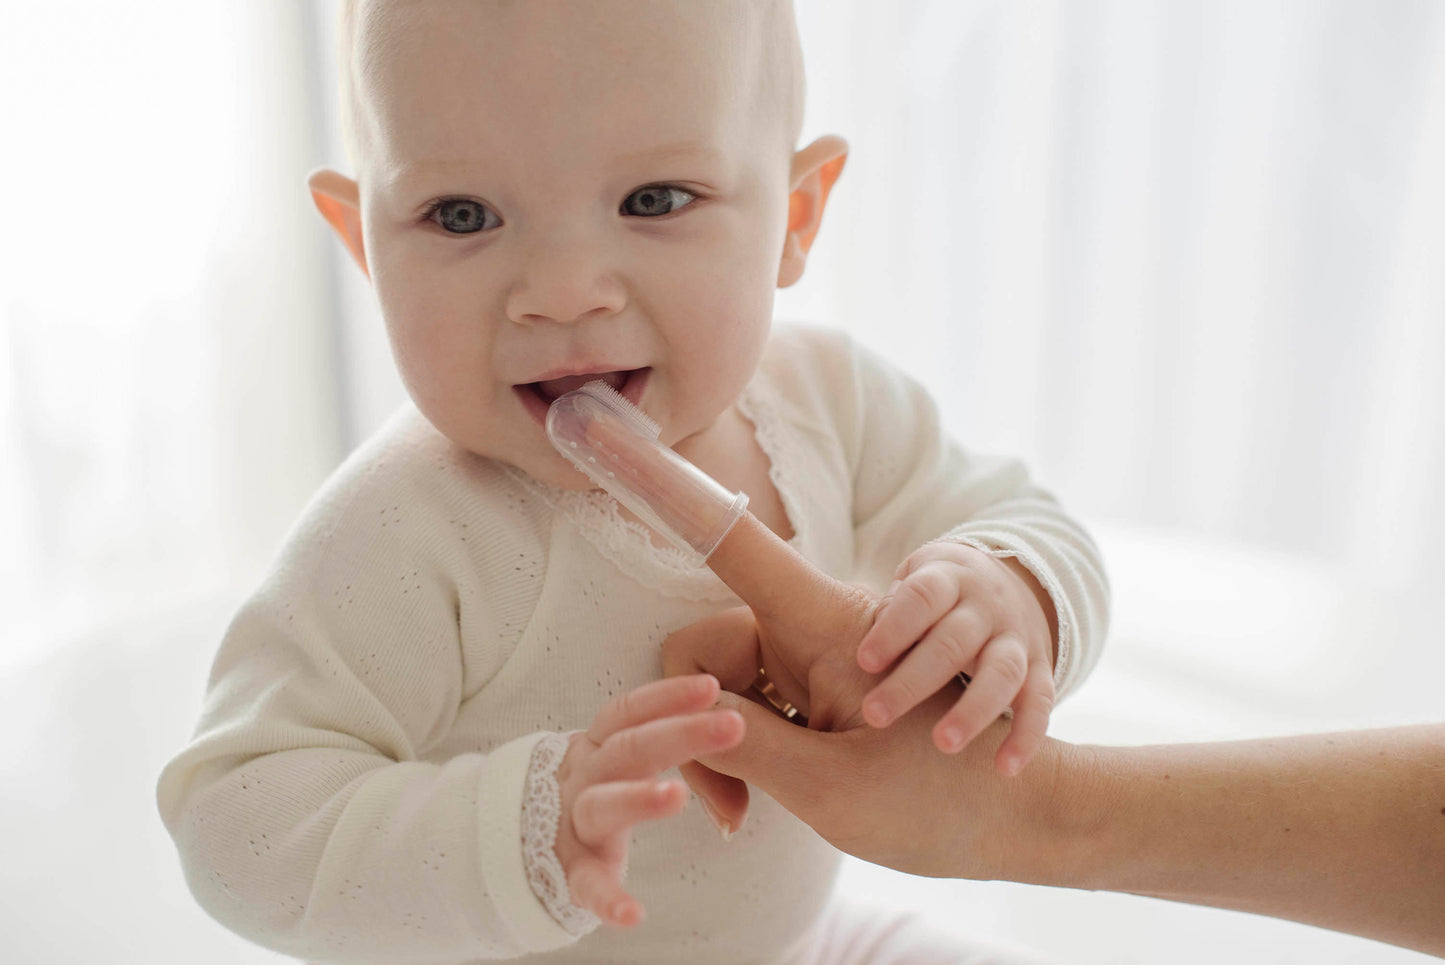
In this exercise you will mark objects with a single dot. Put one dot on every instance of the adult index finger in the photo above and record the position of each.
(768, 574)
(616, 446)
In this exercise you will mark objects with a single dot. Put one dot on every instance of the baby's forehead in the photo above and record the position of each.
(430, 78)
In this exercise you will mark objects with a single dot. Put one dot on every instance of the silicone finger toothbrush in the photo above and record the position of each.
(616, 445)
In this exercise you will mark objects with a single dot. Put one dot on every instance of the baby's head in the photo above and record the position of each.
(550, 190)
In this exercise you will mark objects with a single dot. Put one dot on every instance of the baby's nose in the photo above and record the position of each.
(565, 280)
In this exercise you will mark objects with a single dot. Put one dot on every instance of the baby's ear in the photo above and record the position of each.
(814, 170)
(339, 201)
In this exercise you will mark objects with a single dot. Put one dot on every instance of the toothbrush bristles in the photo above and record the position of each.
(622, 406)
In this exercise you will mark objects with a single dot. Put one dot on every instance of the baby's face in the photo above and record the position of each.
(552, 192)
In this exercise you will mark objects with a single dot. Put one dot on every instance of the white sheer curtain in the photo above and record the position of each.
(166, 398)
(167, 404)
(1189, 257)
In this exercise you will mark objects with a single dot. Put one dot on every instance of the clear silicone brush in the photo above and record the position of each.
(616, 445)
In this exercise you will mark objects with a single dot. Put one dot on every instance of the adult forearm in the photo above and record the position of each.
(1345, 831)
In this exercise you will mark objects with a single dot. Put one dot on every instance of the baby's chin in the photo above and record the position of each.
(526, 451)
(548, 468)
(566, 477)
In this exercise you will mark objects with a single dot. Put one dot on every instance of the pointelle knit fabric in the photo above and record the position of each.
(357, 789)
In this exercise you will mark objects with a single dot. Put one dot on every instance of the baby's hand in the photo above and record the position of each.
(951, 609)
(608, 782)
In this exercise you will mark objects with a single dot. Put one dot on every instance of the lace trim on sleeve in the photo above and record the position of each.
(541, 813)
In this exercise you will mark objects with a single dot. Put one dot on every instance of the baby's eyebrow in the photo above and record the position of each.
(406, 173)
(684, 149)
(673, 152)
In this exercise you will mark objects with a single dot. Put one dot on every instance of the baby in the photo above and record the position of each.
(436, 730)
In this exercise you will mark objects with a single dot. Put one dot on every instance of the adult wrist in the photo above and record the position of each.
(1068, 840)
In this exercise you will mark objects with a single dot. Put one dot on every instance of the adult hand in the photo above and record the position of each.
(859, 787)
(1345, 831)
(801, 628)
(888, 796)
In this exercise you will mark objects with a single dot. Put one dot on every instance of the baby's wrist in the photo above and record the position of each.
(546, 834)
(1040, 596)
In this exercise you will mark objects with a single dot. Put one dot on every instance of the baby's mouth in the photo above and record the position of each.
(552, 389)
(537, 396)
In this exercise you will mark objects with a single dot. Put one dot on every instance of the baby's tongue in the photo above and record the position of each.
(553, 388)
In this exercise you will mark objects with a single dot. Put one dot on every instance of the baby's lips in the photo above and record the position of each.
(611, 443)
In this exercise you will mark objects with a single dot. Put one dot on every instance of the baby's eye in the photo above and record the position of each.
(656, 199)
(462, 217)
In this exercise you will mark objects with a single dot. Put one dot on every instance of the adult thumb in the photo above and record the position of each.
(726, 646)
(778, 756)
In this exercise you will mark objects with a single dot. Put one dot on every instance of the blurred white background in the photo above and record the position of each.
(1185, 256)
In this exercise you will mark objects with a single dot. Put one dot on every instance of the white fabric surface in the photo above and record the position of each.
(855, 933)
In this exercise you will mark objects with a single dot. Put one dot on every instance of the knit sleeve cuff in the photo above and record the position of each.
(1066, 673)
(541, 815)
(504, 781)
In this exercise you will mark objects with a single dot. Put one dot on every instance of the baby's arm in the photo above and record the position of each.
(313, 812)
(306, 820)
(996, 578)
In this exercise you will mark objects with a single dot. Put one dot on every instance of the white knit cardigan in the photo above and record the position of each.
(355, 789)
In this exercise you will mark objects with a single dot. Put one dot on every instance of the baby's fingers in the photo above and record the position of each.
(948, 648)
(594, 886)
(651, 701)
(1002, 668)
(1032, 708)
(911, 607)
(642, 751)
(603, 810)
